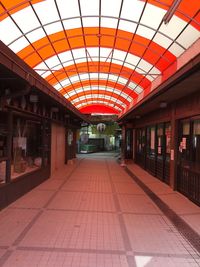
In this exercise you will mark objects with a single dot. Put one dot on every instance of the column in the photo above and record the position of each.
(43, 142)
(174, 142)
(66, 145)
(123, 145)
(74, 143)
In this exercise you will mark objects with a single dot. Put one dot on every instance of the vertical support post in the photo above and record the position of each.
(123, 145)
(43, 141)
(66, 145)
(74, 143)
(9, 146)
(173, 154)
(134, 144)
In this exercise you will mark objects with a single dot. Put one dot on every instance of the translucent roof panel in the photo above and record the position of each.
(103, 53)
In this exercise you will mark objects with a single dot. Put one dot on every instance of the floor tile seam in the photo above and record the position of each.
(141, 214)
(190, 234)
(123, 229)
(23, 208)
(84, 211)
(189, 214)
(164, 194)
(5, 257)
(104, 251)
(62, 184)
(131, 261)
(82, 191)
(4, 247)
(45, 190)
(8, 253)
(105, 211)
(73, 250)
(27, 228)
(129, 194)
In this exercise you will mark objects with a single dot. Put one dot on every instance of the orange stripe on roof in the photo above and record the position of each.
(189, 8)
(100, 82)
(13, 6)
(94, 108)
(97, 98)
(44, 47)
(107, 93)
(104, 67)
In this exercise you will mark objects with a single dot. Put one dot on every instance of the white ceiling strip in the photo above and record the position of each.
(47, 13)
(76, 79)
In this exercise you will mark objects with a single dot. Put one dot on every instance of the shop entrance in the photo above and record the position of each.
(188, 167)
(153, 149)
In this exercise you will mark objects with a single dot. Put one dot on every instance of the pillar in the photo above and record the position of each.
(123, 145)
(174, 142)
(66, 145)
(74, 143)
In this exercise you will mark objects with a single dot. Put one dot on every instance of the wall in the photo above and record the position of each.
(57, 147)
(185, 107)
(20, 186)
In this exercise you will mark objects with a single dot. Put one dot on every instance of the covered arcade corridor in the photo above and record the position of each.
(93, 214)
(84, 76)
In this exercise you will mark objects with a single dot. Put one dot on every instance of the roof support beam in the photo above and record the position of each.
(167, 17)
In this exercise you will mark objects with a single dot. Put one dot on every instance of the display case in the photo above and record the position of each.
(27, 145)
(3, 146)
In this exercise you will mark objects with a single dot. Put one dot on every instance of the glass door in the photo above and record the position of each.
(167, 150)
(188, 174)
(141, 147)
(151, 150)
(160, 151)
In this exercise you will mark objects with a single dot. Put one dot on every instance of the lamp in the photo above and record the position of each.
(101, 127)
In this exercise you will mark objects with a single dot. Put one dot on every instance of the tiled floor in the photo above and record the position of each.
(92, 214)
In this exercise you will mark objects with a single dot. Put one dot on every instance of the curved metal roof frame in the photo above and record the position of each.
(101, 52)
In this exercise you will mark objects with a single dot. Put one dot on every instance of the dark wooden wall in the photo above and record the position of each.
(21, 185)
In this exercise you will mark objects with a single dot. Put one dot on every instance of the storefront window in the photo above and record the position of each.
(27, 146)
(143, 140)
(3, 146)
(168, 137)
(70, 137)
(151, 140)
(160, 139)
(196, 141)
(184, 142)
(139, 141)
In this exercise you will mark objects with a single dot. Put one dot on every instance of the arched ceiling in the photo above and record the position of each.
(100, 54)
